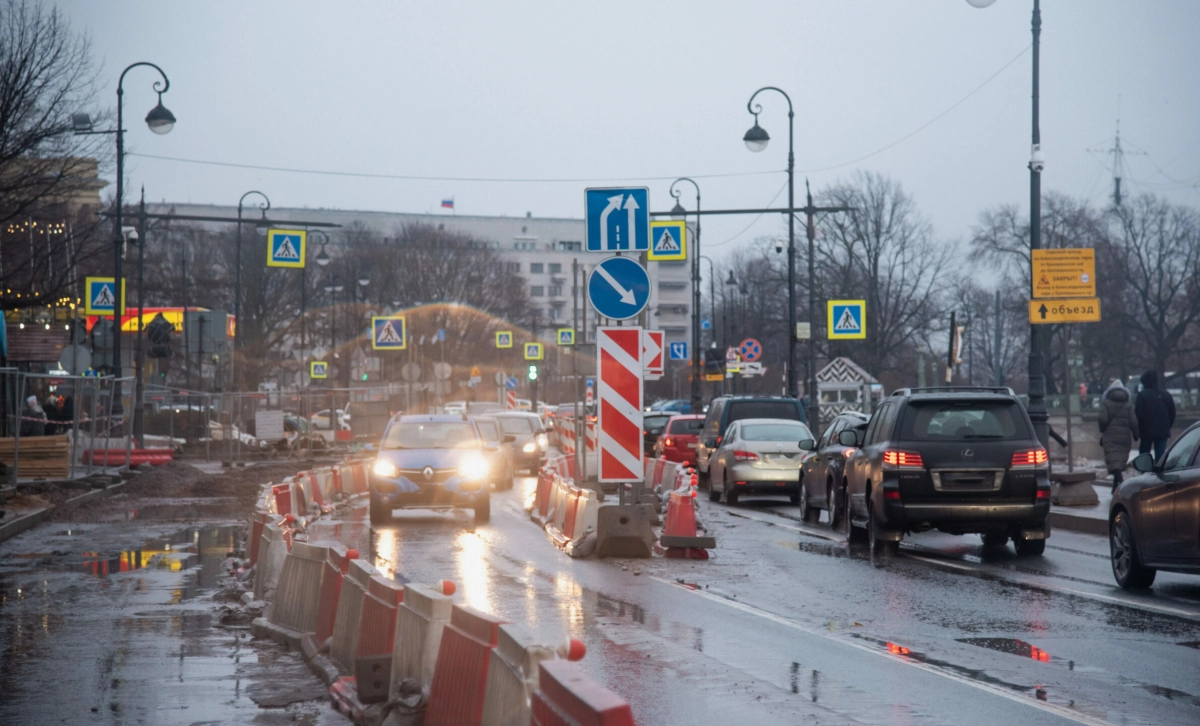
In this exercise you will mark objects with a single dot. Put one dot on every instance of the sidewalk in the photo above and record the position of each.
(1089, 519)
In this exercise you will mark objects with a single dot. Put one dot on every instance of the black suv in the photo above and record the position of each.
(724, 410)
(962, 460)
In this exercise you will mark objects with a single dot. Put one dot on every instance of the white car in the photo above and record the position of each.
(455, 407)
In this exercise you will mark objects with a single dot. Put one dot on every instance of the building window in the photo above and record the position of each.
(555, 313)
(537, 291)
(556, 291)
(537, 268)
(513, 267)
(570, 246)
(555, 268)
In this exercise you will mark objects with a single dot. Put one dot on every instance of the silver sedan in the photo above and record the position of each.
(758, 456)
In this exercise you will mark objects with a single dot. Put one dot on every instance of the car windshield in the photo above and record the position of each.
(516, 425)
(963, 421)
(487, 429)
(686, 426)
(775, 432)
(655, 422)
(431, 435)
(739, 410)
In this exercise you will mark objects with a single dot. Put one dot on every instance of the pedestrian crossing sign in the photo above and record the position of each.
(388, 332)
(533, 351)
(102, 296)
(503, 338)
(285, 247)
(318, 369)
(847, 319)
(566, 336)
(668, 241)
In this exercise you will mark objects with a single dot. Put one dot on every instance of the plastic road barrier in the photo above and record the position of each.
(420, 619)
(257, 521)
(272, 551)
(460, 676)
(567, 697)
(293, 612)
(679, 530)
(513, 672)
(349, 614)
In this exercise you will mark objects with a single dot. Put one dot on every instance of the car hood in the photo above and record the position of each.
(421, 458)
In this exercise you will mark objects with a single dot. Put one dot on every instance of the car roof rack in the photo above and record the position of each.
(1004, 390)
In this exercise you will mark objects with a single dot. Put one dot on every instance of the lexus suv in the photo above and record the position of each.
(432, 462)
(961, 460)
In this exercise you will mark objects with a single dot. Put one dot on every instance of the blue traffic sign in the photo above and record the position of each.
(511, 383)
(679, 351)
(619, 288)
(705, 324)
(618, 219)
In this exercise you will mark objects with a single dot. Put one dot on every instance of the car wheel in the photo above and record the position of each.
(994, 540)
(1030, 547)
(713, 494)
(380, 514)
(808, 513)
(731, 495)
(836, 510)
(1129, 572)
(483, 510)
(878, 545)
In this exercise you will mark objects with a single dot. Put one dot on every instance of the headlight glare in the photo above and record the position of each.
(385, 469)
(529, 448)
(474, 468)
(543, 441)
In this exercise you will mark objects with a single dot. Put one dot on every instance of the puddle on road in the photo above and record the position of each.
(1010, 645)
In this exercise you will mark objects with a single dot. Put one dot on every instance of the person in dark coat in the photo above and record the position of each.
(1118, 429)
(1155, 411)
(33, 418)
(52, 415)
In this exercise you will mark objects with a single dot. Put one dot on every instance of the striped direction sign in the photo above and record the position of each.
(620, 417)
(388, 332)
(285, 247)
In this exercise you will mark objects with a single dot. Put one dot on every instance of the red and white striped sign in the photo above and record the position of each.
(511, 400)
(653, 343)
(619, 351)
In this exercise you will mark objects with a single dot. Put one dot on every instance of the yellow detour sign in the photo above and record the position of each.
(1064, 273)
(714, 377)
(1079, 310)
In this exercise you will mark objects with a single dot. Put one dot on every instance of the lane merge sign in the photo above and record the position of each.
(847, 319)
(285, 247)
(1077, 310)
(619, 288)
(668, 240)
(617, 219)
(388, 332)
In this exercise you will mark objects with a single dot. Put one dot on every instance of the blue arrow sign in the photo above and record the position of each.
(619, 288)
(705, 324)
(511, 383)
(618, 219)
(679, 351)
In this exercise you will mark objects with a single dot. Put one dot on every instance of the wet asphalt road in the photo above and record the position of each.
(786, 624)
(789, 623)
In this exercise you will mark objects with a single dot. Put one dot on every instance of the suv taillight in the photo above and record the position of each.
(744, 455)
(902, 460)
(1030, 459)
(668, 441)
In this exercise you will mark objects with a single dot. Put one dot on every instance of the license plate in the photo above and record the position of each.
(693, 446)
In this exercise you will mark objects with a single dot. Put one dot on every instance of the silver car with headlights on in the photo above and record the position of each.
(758, 456)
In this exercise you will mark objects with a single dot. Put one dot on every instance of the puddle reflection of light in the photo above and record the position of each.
(386, 546)
(897, 649)
(570, 601)
(472, 572)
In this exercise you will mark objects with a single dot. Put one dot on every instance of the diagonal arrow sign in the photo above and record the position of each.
(614, 203)
(626, 295)
(631, 206)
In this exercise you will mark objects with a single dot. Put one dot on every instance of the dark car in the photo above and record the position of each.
(679, 441)
(530, 442)
(961, 460)
(653, 425)
(725, 410)
(1154, 518)
(823, 470)
(498, 449)
(430, 461)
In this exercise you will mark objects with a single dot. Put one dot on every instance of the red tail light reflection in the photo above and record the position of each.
(897, 649)
(1038, 654)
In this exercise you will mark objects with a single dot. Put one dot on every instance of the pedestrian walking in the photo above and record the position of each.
(33, 418)
(1155, 411)
(1118, 429)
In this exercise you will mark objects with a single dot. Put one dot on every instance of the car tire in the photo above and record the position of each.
(380, 514)
(1127, 568)
(994, 540)
(731, 495)
(483, 510)
(836, 510)
(713, 495)
(808, 513)
(878, 546)
(509, 476)
(1030, 547)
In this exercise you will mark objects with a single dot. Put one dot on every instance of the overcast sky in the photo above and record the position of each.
(642, 91)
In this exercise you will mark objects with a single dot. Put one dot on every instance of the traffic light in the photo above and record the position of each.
(364, 377)
(533, 373)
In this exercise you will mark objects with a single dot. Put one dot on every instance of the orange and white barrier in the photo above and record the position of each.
(349, 613)
(512, 674)
(420, 619)
(272, 550)
(680, 536)
(460, 676)
(293, 612)
(567, 697)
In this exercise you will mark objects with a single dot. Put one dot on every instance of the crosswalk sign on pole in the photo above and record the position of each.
(847, 319)
(318, 369)
(504, 339)
(101, 298)
(533, 351)
(668, 240)
(566, 336)
(285, 247)
(388, 332)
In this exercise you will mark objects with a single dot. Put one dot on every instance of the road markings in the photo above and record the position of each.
(1063, 711)
(823, 534)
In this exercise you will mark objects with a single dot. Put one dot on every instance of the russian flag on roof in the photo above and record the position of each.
(448, 203)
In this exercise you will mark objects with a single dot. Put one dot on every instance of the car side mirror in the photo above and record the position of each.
(1144, 463)
(848, 438)
(808, 445)
(509, 438)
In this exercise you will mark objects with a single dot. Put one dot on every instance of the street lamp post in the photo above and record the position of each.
(756, 140)
(712, 299)
(679, 212)
(1037, 379)
(237, 275)
(160, 121)
(322, 260)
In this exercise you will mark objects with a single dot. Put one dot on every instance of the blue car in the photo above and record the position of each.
(431, 461)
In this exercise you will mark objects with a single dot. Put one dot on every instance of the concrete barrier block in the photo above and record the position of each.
(624, 531)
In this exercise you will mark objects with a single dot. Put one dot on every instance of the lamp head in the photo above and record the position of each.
(678, 212)
(732, 280)
(322, 258)
(980, 3)
(364, 280)
(757, 137)
(160, 120)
